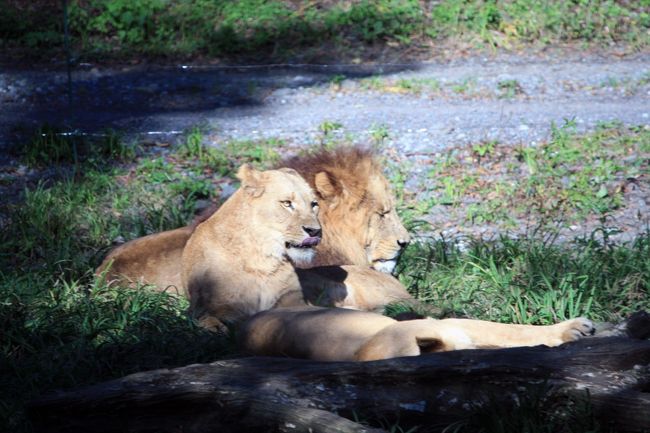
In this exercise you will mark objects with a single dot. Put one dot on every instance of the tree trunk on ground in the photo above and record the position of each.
(279, 394)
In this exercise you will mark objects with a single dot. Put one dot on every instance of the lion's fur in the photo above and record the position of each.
(336, 334)
(128, 265)
(352, 192)
(240, 260)
(360, 223)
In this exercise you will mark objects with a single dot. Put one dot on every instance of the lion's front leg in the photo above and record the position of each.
(483, 334)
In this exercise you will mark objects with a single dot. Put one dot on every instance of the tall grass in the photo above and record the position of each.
(527, 281)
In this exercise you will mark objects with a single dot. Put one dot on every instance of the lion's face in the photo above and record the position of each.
(360, 219)
(386, 236)
(285, 211)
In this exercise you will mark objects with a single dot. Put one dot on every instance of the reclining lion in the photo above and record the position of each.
(241, 260)
(360, 226)
(336, 334)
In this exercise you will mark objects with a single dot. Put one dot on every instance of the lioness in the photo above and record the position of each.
(360, 225)
(241, 259)
(336, 334)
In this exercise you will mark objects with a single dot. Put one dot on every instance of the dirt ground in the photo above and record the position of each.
(424, 109)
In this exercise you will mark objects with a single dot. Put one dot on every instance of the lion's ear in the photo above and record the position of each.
(326, 186)
(251, 180)
(289, 171)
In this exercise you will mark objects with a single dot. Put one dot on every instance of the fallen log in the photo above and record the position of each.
(280, 394)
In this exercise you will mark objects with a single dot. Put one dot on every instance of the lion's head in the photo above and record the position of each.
(360, 223)
(241, 259)
(283, 209)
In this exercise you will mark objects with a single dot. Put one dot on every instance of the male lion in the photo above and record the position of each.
(337, 334)
(359, 221)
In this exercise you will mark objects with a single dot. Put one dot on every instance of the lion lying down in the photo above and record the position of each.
(337, 334)
(357, 212)
(241, 261)
(244, 258)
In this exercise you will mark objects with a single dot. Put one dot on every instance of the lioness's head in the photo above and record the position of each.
(358, 212)
(285, 210)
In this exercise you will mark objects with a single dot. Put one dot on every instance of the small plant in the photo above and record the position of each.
(481, 150)
(464, 87)
(337, 81)
(54, 146)
(509, 89)
(379, 135)
(193, 146)
(327, 128)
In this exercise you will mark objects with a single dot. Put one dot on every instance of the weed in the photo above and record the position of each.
(53, 146)
(379, 135)
(481, 150)
(327, 129)
(509, 89)
(337, 80)
(464, 87)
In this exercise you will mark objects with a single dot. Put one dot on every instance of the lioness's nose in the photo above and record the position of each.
(314, 232)
(403, 242)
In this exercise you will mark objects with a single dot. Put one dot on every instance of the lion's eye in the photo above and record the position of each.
(287, 203)
(314, 204)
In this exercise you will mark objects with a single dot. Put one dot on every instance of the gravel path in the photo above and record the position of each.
(425, 109)
(467, 104)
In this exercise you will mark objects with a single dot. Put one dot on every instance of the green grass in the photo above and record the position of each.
(63, 328)
(568, 177)
(256, 28)
(527, 281)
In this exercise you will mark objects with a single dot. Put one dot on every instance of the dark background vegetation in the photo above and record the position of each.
(258, 29)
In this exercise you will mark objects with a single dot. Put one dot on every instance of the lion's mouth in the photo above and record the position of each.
(308, 242)
(385, 265)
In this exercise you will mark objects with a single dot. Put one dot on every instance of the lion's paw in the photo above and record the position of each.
(575, 329)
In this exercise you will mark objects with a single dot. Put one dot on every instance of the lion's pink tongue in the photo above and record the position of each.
(310, 242)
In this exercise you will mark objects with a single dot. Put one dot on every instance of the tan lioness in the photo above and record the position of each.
(357, 213)
(241, 260)
(336, 334)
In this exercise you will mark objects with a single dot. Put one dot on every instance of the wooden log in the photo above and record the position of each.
(280, 394)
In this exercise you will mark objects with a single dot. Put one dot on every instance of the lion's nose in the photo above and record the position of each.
(403, 242)
(314, 232)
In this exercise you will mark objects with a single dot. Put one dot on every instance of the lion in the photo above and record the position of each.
(357, 212)
(245, 261)
(337, 334)
(242, 259)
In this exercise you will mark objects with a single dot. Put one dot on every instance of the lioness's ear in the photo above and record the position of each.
(289, 171)
(251, 180)
(326, 186)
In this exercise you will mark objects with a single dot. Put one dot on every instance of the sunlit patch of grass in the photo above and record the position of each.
(527, 281)
(224, 158)
(568, 177)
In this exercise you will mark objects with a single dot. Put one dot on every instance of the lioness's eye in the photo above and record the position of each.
(287, 203)
(314, 204)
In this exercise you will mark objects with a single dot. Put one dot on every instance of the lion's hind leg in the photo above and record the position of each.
(490, 334)
(412, 338)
